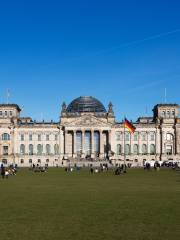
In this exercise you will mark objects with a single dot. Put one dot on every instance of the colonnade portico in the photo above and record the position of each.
(87, 142)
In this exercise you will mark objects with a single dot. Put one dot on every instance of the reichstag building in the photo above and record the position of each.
(87, 131)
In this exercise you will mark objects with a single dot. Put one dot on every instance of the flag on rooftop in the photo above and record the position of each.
(129, 126)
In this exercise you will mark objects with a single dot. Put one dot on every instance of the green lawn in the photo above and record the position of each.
(60, 205)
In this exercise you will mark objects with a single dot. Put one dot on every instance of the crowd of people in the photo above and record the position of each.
(8, 171)
(118, 169)
(38, 168)
(93, 169)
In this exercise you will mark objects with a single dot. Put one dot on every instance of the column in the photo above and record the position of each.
(139, 143)
(101, 144)
(147, 134)
(162, 143)
(177, 143)
(83, 143)
(92, 143)
(61, 144)
(109, 142)
(74, 141)
(158, 143)
(65, 142)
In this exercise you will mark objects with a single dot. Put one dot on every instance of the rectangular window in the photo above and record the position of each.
(22, 137)
(47, 137)
(135, 136)
(5, 150)
(30, 137)
(152, 138)
(0, 113)
(5, 113)
(144, 137)
(56, 137)
(119, 136)
(169, 150)
(39, 137)
(10, 113)
(127, 136)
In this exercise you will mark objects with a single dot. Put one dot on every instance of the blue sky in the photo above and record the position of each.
(126, 52)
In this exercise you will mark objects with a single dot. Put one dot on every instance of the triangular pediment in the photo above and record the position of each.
(87, 121)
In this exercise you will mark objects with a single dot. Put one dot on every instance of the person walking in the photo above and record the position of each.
(2, 171)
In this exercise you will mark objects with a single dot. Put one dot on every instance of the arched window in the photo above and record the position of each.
(144, 149)
(48, 149)
(169, 137)
(135, 149)
(163, 114)
(119, 149)
(22, 149)
(173, 113)
(127, 149)
(5, 137)
(30, 149)
(152, 149)
(56, 149)
(39, 149)
(168, 114)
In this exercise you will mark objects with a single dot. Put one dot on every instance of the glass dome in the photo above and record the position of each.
(86, 104)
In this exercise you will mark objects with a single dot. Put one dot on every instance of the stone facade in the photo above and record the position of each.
(86, 131)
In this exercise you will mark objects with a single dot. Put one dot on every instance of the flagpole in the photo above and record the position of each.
(124, 169)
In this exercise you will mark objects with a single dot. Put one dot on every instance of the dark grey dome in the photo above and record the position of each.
(86, 104)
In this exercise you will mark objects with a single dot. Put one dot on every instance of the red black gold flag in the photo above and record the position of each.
(129, 126)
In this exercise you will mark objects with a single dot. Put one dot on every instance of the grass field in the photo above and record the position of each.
(60, 205)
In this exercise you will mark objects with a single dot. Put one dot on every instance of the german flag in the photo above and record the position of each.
(129, 126)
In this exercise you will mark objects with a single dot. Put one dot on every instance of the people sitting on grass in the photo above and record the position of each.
(118, 171)
(40, 169)
(8, 171)
(157, 166)
(147, 166)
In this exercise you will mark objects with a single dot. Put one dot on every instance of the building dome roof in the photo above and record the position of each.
(86, 104)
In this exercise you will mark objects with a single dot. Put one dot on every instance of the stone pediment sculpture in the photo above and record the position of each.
(87, 121)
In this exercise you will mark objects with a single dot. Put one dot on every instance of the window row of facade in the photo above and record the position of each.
(140, 136)
(38, 161)
(31, 137)
(39, 149)
(143, 149)
(168, 113)
(136, 136)
(39, 137)
(119, 136)
(6, 114)
(136, 149)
